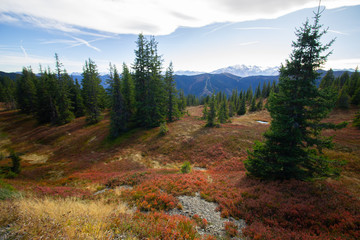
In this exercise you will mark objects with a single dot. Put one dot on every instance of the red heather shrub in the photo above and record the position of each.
(129, 178)
(150, 198)
(233, 164)
(281, 210)
(201, 222)
(155, 226)
(231, 229)
(61, 192)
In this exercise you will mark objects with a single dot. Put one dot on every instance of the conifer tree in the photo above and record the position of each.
(223, 113)
(252, 105)
(63, 100)
(205, 111)
(77, 100)
(172, 111)
(258, 91)
(211, 117)
(293, 145)
(327, 80)
(26, 91)
(356, 122)
(259, 105)
(343, 101)
(118, 116)
(242, 109)
(91, 92)
(128, 92)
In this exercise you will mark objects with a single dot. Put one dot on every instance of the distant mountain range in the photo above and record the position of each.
(238, 70)
(206, 83)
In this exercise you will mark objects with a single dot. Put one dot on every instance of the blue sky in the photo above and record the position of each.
(197, 35)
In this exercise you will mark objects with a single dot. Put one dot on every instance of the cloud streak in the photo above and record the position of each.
(157, 17)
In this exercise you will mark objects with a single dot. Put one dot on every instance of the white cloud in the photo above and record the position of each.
(343, 63)
(158, 17)
(337, 32)
(258, 28)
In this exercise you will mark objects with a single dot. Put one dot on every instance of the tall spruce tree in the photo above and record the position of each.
(128, 92)
(91, 90)
(242, 108)
(118, 116)
(293, 145)
(211, 116)
(26, 91)
(172, 111)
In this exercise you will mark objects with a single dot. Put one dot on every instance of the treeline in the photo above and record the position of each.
(218, 108)
(346, 86)
(143, 97)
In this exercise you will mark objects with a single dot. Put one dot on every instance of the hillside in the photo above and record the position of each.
(95, 184)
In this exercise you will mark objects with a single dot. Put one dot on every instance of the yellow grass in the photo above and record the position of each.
(60, 218)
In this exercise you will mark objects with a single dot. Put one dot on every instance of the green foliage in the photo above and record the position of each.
(8, 92)
(6, 191)
(186, 167)
(343, 100)
(242, 108)
(223, 114)
(205, 112)
(356, 122)
(118, 116)
(211, 117)
(328, 79)
(253, 105)
(149, 85)
(15, 158)
(91, 90)
(163, 129)
(128, 92)
(26, 91)
(293, 145)
(172, 111)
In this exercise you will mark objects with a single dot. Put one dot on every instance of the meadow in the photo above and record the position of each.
(76, 183)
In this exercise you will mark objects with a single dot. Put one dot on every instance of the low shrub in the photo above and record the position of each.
(186, 167)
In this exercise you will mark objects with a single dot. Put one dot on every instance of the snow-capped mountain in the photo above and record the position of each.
(245, 71)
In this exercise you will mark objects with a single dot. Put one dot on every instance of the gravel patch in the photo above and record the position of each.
(196, 205)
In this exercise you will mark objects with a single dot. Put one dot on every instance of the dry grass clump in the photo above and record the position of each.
(68, 218)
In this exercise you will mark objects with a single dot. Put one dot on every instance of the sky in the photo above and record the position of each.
(196, 35)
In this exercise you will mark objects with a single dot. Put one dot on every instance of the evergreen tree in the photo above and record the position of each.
(356, 97)
(77, 100)
(327, 80)
(259, 105)
(242, 109)
(293, 145)
(149, 85)
(64, 103)
(172, 111)
(26, 91)
(223, 114)
(8, 92)
(205, 112)
(356, 122)
(47, 87)
(118, 116)
(249, 94)
(343, 100)
(211, 116)
(252, 105)
(128, 91)
(91, 92)
(258, 91)
(181, 101)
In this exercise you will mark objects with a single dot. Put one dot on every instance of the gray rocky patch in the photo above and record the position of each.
(196, 205)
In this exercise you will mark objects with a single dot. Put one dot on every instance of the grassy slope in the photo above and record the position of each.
(76, 160)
